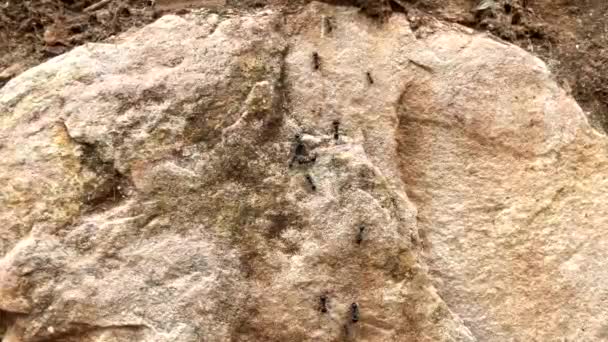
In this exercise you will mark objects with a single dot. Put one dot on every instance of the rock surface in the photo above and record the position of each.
(511, 188)
(310, 177)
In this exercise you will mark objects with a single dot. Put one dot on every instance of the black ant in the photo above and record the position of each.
(360, 235)
(300, 155)
(370, 80)
(316, 61)
(336, 125)
(354, 312)
(300, 148)
(311, 182)
(323, 301)
(328, 25)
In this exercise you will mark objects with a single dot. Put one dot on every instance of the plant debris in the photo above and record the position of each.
(32, 31)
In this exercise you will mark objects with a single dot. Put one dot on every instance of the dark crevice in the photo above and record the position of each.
(273, 123)
(3, 324)
(109, 187)
(77, 331)
(125, 326)
(398, 6)
(112, 191)
(377, 9)
(7, 319)
(422, 66)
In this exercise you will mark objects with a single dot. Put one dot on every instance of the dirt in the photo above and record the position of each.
(32, 31)
(579, 29)
(571, 36)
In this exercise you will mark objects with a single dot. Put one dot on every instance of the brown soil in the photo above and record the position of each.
(32, 31)
(570, 35)
(580, 52)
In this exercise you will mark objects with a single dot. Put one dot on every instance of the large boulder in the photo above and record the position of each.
(256, 177)
(511, 186)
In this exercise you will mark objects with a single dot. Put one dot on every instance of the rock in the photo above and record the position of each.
(56, 33)
(11, 71)
(150, 190)
(150, 196)
(510, 185)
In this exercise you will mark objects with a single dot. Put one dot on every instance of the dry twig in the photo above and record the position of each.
(97, 6)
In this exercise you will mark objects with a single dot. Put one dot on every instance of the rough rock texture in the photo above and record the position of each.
(250, 178)
(511, 188)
